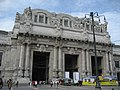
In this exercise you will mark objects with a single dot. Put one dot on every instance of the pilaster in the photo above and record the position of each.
(79, 64)
(55, 63)
(60, 62)
(21, 66)
(110, 63)
(27, 58)
(107, 63)
(83, 63)
(87, 62)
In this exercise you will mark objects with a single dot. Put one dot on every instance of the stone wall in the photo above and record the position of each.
(58, 34)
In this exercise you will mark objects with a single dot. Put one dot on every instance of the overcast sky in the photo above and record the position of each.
(109, 8)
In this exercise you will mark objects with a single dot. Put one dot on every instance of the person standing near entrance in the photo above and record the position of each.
(1, 83)
(51, 83)
(57, 83)
(9, 84)
(35, 83)
(17, 83)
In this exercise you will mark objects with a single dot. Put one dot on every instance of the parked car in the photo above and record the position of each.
(110, 78)
(68, 81)
(89, 79)
(76, 82)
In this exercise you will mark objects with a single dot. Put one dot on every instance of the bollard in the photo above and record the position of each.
(112, 88)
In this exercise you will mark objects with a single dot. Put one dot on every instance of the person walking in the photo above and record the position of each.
(51, 83)
(1, 83)
(9, 84)
(17, 83)
(57, 84)
(36, 83)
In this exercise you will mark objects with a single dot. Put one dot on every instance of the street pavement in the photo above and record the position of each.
(60, 87)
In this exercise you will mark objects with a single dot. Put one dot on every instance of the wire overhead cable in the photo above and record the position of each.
(116, 41)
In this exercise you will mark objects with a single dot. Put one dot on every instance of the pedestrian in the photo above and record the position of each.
(80, 82)
(51, 83)
(35, 83)
(30, 83)
(40, 82)
(9, 84)
(119, 83)
(57, 84)
(1, 83)
(17, 83)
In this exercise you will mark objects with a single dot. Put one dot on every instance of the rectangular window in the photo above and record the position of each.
(35, 18)
(46, 20)
(87, 27)
(1, 58)
(83, 25)
(41, 18)
(66, 23)
(117, 64)
(70, 23)
(61, 21)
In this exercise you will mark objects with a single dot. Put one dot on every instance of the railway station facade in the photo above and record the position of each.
(44, 45)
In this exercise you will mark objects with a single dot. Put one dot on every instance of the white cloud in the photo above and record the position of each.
(44, 2)
(8, 8)
(78, 14)
(6, 24)
(13, 5)
(113, 19)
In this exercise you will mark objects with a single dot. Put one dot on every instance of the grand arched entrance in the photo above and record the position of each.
(99, 65)
(71, 64)
(40, 66)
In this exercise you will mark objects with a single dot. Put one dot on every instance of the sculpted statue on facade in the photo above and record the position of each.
(71, 51)
(17, 16)
(28, 13)
(81, 26)
(105, 26)
(54, 14)
(42, 48)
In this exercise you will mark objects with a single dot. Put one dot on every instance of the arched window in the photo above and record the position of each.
(35, 18)
(66, 22)
(1, 58)
(117, 65)
(41, 18)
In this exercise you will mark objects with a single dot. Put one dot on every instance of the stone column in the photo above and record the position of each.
(79, 64)
(63, 57)
(88, 62)
(83, 63)
(55, 63)
(27, 58)
(60, 62)
(90, 26)
(110, 63)
(107, 63)
(22, 52)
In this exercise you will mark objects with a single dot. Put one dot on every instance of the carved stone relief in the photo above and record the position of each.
(43, 48)
(72, 50)
(28, 13)
(17, 17)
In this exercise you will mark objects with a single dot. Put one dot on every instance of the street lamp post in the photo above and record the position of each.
(92, 16)
(94, 41)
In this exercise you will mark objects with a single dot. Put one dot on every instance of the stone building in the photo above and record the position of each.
(5, 45)
(116, 60)
(45, 45)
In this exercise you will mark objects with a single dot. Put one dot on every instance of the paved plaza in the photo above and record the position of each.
(47, 87)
